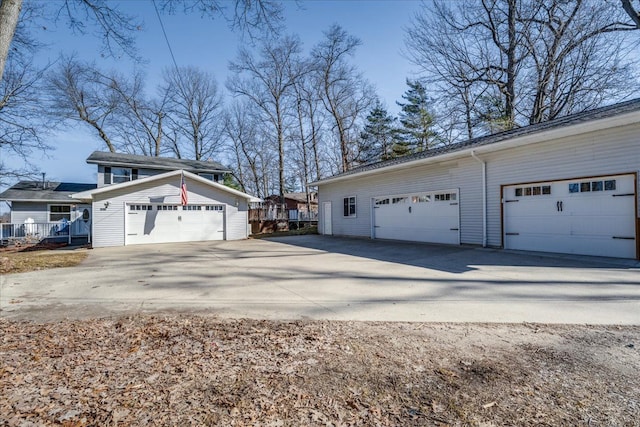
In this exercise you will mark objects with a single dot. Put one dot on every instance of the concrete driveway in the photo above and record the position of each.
(321, 277)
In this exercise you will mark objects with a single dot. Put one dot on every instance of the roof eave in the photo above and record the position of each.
(89, 195)
(532, 138)
(148, 166)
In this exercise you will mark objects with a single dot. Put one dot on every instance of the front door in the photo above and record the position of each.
(81, 220)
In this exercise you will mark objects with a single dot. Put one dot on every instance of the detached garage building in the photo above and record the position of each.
(569, 185)
(149, 210)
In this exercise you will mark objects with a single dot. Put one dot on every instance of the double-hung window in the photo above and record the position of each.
(349, 206)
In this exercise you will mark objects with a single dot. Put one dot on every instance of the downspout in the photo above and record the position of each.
(484, 198)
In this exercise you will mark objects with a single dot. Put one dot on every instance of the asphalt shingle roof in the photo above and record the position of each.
(168, 163)
(51, 191)
(573, 119)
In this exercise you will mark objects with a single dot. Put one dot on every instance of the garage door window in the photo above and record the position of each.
(589, 186)
(444, 197)
(167, 207)
(349, 206)
(382, 202)
(140, 207)
(536, 190)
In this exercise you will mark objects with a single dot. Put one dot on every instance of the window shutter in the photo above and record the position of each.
(107, 175)
(134, 174)
(346, 207)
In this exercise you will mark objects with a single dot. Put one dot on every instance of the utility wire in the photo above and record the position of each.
(173, 58)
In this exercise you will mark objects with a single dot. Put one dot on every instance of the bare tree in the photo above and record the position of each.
(80, 92)
(513, 62)
(346, 94)
(117, 30)
(267, 82)
(24, 121)
(194, 112)
(112, 105)
(139, 120)
(631, 11)
(9, 15)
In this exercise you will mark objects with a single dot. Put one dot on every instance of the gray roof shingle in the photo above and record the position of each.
(168, 163)
(573, 119)
(51, 191)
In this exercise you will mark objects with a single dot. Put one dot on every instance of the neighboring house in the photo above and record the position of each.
(297, 206)
(569, 185)
(136, 200)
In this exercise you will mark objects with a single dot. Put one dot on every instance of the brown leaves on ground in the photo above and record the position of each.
(31, 260)
(188, 370)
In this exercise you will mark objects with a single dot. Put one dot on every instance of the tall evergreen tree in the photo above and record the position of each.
(416, 119)
(378, 137)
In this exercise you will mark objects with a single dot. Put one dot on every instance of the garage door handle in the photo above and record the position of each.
(511, 201)
(454, 229)
(623, 238)
(623, 195)
(512, 234)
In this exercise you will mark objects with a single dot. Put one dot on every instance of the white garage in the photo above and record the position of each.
(152, 210)
(587, 216)
(162, 223)
(432, 217)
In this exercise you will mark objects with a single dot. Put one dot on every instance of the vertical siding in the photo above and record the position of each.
(464, 175)
(608, 152)
(109, 223)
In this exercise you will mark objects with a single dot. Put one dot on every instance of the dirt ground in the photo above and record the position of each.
(174, 369)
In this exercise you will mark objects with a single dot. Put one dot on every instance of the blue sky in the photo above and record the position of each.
(210, 45)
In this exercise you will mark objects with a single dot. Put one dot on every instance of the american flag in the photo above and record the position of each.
(183, 191)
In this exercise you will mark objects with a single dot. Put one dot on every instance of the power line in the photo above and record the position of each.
(173, 58)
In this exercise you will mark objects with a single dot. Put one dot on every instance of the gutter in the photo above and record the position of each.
(484, 198)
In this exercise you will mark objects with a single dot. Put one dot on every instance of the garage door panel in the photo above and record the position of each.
(420, 217)
(174, 223)
(594, 216)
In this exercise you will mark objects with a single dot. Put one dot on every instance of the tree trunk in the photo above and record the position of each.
(9, 15)
(510, 94)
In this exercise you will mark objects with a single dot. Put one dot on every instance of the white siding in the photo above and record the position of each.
(609, 152)
(464, 174)
(108, 223)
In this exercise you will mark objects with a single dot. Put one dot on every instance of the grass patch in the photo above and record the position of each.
(22, 262)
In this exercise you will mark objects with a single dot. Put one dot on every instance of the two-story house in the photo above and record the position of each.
(136, 200)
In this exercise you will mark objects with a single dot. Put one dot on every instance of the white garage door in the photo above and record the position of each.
(594, 216)
(154, 223)
(421, 217)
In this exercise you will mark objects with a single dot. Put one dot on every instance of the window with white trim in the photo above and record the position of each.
(349, 206)
(59, 212)
(117, 175)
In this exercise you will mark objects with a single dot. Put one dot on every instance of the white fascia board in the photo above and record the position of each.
(542, 136)
(89, 195)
